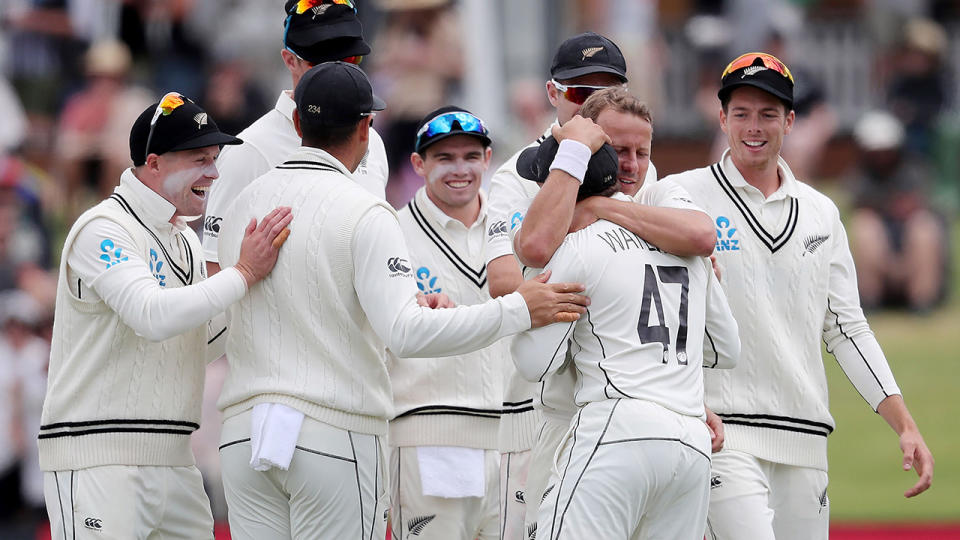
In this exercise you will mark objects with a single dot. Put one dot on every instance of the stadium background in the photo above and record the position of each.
(58, 100)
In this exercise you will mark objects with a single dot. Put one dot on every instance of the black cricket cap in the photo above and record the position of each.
(322, 31)
(186, 127)
(474, 127)
(334, 94)
(764, 71)
(588, 53)
(602, 169)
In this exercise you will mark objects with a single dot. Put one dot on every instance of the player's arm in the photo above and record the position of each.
(540, 352)
(503, 275)
(721, 339)
(551, 213)
(680, 231)
(849, 338)
(389, 299)
(106, 259)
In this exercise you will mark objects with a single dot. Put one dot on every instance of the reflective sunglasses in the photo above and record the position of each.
(747, 60)
(170, 101)
(444, 124)
(301, 7)
(576, 93)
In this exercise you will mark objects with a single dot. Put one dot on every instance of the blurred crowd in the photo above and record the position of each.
(74, 74)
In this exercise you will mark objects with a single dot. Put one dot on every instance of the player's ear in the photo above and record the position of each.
(296, 123)
(552, 93)
(418, 166)
(487, 154)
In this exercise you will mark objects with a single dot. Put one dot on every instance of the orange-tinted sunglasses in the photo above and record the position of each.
(769, 60)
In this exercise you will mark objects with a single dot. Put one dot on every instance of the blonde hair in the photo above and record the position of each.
(618, 99)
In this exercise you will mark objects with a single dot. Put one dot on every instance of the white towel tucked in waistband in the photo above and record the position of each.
(274, 430)
(451, 471)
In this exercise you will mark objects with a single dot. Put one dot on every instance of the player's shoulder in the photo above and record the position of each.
(690, 179)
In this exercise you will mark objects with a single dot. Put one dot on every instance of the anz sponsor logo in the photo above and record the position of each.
(497, 228)
(211, 226)
(425, 282)
(398, 267)
(112, 254)
(156, 267)
(516, 219)
(726, 233)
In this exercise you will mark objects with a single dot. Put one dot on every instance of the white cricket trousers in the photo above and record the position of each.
(761, 500)
(513, 484)
(334, 489)
(125, 502)
(629, 469)
(414, 514)
(552, 431)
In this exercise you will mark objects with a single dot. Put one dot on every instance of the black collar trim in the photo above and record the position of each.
(773, 243)
(477, 277)
(185, 277)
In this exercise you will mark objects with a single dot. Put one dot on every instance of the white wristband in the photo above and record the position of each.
(572, 158)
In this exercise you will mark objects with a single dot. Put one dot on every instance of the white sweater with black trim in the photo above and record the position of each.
(453, 400)
(130, 344)
(789, 277)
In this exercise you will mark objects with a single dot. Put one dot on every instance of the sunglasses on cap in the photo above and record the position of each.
(170, 101)
(770, 61)
(444, 123)
(577, 93)
(301, 7)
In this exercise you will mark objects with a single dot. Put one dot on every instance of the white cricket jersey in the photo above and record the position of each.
(311, 334)
(266, 144)
(646, 307)
(790, 281)
(453, 400)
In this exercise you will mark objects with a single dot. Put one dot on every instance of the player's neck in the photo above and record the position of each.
(766, 178)
(466, 214)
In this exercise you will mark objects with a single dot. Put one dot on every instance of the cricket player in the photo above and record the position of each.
(314, 31)
(444, 462)
(790, 280)
(131, 339)
(308, 396)
(582, 65)
(634, 462)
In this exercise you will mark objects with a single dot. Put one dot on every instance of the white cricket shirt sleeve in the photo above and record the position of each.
(507, 193)
(237, 167)
(845, 330)
(542, 351)
(104, 258)
(721, 338)
(665, 194)
(387, 292)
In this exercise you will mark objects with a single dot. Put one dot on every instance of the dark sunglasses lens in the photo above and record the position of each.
(578, 95)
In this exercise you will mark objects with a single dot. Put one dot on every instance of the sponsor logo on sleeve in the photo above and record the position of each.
(112, 255)
(398, 267)
(726, 235)
(211, 226)
(497, 228)
(93, 523)
(515, 220)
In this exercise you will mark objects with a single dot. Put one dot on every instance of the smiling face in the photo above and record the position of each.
(631, 136)
(755, 122)
(184, 178)
(453, 170)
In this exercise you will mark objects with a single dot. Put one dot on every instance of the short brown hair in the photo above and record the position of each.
(618, 99)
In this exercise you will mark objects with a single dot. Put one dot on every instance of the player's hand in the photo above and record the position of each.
(918, 457)
(582, 130)
(435, 301)
(583, 215)
(715, 265)
(258, 251)
(552, 302)
(715, 425)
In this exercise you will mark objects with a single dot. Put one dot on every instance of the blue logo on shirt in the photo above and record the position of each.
(111, 254)
(516, 219)
(725, 235)
(155, 267)
(426, 284)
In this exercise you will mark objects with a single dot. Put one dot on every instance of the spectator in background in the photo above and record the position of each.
(418, 65)
(232, 98)
(24, 242)
(898, 240)
(813, 127)
(918, 90)
(95, 124)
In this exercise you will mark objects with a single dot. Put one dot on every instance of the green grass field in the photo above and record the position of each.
(866, 478)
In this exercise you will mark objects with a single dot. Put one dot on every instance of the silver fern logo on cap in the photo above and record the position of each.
(589, 52)
(200, 119)
(319, 10)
